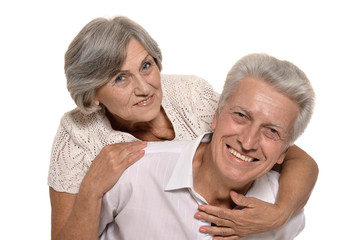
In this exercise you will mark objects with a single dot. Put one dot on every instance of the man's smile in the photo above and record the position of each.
(240, 156)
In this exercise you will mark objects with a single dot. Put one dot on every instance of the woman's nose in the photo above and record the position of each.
(141, 86)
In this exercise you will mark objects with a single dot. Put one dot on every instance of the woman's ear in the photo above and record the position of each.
(214, 121)
(96, 102)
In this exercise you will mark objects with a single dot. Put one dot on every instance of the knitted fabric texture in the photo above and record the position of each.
(189, 102)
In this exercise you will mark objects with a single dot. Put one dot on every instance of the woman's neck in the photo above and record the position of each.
(158, 129)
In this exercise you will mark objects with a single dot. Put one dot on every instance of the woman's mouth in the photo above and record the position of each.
(145, 101)
(240, 156)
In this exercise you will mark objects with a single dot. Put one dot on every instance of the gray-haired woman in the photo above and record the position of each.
(113, 73)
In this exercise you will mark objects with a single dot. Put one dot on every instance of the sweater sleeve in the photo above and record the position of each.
(205, 100)
(68, 163)
(190, 103)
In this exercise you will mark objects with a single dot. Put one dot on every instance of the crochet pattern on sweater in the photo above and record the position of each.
(189, 102)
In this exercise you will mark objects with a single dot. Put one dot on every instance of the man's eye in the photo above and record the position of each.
(241, 115)
(272, 133)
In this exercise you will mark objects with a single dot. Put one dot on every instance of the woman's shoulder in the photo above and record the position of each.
(186, 85)
(180, 79)
(89, 130)
(77, 119)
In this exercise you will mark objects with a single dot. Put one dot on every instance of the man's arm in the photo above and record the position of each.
(299, 174)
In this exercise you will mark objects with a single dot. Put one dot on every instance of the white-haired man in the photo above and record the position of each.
(265, 105)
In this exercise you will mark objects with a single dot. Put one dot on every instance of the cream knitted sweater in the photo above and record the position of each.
(189, 102)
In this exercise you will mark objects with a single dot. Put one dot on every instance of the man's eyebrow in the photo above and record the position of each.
(248, 112)
(250, 115)
(275, 125)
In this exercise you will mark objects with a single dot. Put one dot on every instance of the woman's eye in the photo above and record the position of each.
(146, 65)
(119, 78)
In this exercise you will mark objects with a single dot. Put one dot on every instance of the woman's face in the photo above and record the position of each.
(135, 94)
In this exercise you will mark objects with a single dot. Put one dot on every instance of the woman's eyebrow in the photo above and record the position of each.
(141, 64)
(144, 60)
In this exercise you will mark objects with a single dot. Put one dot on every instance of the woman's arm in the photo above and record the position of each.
(76, 216)
(298, 176)
(73, 216)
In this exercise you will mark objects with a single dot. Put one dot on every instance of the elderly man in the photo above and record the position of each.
(265, 106)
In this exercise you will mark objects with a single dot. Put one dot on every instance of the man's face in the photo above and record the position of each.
(252, 131)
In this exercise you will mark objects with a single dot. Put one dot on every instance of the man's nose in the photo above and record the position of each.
(249, 138)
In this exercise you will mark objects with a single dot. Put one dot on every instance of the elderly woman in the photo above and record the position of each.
(113, 74)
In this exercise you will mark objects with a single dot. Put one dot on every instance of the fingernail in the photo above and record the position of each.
(197, 215)
(202, 230)
(201, 207)
(234, 194)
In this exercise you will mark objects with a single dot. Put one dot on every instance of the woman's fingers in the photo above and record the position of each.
(110, 164)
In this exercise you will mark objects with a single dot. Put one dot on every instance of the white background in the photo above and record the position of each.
(203, 38)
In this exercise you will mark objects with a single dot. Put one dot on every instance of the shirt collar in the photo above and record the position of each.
(182, 176)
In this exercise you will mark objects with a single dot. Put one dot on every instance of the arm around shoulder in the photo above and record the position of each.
(299, 174)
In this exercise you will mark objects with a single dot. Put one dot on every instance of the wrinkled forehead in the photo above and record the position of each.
(262, 102)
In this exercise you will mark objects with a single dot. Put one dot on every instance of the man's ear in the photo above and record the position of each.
(282, 157)
(214, 121)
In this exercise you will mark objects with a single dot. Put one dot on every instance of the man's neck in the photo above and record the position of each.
(209, 183)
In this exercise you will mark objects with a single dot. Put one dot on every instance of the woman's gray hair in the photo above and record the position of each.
(283, 76)
(96, 54)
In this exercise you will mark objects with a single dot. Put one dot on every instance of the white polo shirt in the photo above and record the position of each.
(155, 198)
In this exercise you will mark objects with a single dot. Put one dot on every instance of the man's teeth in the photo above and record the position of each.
(145, 101)
(240, 156)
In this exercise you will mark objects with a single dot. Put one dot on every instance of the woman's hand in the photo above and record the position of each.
(109, 165)
(76, 216)
(256, 217)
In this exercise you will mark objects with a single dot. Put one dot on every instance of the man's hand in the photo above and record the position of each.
(256, 216)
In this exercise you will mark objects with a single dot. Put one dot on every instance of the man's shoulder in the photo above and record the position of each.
(265, 188)
(166, 147)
